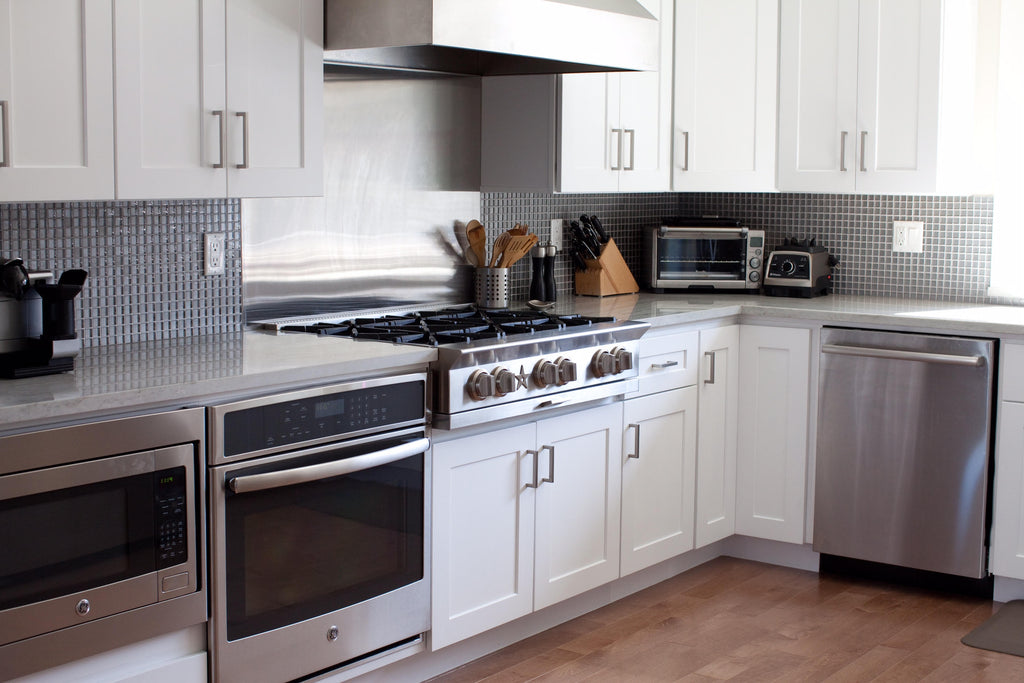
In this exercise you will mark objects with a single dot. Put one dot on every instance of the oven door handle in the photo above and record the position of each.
(703, 233)
(302, 475)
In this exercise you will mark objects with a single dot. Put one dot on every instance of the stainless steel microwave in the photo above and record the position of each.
(100, 530)
(702, 254)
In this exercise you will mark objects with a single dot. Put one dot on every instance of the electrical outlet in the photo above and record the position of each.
(908, 236)
(213, 252)
(556, 233)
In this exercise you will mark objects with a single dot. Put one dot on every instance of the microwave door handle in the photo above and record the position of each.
(302, 475)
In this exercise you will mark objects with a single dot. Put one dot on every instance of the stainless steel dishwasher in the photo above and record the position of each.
(904, 434)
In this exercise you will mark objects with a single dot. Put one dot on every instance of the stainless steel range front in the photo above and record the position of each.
(494, 364)
(319, 534)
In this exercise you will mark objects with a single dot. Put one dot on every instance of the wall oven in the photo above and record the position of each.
(319, 530)
(101, 527)
(702, 254)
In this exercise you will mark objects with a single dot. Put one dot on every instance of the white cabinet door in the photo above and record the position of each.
(1008, 502)
(716, 445)
(577, 534)
(483, 526)
(898, 96)
(170, 88)
(275, 98)
(818, 95)
(772, 447)
(725, 143)
(658, 470)
(590, 133)
(56, 100)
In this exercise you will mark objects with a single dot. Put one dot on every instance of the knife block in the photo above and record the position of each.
(607, 275)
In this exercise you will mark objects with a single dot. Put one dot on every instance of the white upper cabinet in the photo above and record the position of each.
(219, 98)
(581, 132)
(726, 73)
(863, 107)
(56, 100)
(169, 65)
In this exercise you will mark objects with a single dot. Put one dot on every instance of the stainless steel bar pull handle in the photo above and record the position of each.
(632, 149)
(711, 367)
(842, 151)
(863, 149)
(636, 440)
(245, 139)
(336, 468)
(551, 464)
(666, 364)
(5, 134)
(536, 469)
(897, 354)
(618, 147)
(686, 151)
(222, 144)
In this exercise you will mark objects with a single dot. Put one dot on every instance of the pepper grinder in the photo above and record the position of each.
(538, 287)
(550, 290)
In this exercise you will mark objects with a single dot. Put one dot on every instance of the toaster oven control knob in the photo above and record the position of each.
(545, 373)
(754, 276)
(755, 262)
(505, 382)
(623, 359)
(603, 364)
(481, 384)
(566, 371)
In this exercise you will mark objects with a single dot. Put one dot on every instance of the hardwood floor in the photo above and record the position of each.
(737, 620)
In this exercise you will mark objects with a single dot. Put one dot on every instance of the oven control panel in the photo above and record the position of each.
(291, 421)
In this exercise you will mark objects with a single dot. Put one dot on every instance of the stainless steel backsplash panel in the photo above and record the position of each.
(401, 165)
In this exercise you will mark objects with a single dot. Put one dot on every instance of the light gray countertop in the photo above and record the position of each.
(142, 377)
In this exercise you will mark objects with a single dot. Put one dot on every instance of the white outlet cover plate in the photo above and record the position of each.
(908, 236)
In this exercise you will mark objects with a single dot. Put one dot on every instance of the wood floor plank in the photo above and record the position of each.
(738, 620)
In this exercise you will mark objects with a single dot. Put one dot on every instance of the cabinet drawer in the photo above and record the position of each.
(1012, 379)
(668, 361)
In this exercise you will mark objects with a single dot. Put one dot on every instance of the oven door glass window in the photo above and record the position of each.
(73, 539)
(703, 258)
(297, 551)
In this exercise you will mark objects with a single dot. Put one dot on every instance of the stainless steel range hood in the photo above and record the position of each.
(492, 37)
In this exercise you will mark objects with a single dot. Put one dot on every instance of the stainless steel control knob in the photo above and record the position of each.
(623, 359)
(754, 276)
(481, 384)
(566, 371)
(603, 364)
(505, 381)
(755, 262)
(545, 373)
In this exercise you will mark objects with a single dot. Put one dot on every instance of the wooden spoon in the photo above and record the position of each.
(477, 236)
(499, 247)
(517, 247)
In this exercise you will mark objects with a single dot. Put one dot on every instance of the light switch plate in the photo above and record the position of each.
(908, 236)
(556, 233)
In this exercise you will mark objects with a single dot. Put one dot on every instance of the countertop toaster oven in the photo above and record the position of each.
(703, 253)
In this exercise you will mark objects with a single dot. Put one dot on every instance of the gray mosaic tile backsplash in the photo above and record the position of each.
(954, 266)
(145, 264)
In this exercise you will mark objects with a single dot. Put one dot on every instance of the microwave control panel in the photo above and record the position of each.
(171, 517)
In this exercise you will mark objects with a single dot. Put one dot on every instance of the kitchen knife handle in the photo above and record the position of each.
(245, 139)
(711, 367)
(5, 134)
(842, 151)
(636, 440)
(686, 151)
(618, 146)
(551, 464)
(863, 149)
(632, 149)
(219, 113)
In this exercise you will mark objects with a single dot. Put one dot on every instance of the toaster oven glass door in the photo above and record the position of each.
(702, 258)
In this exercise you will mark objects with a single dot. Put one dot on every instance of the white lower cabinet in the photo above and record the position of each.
(522, 518)
(1007, 557)
(658, 472)
(718, 388)
(772, 444)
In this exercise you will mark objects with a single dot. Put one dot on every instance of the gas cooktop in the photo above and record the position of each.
(447, 325)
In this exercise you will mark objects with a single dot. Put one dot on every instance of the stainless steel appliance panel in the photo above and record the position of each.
(904, 434)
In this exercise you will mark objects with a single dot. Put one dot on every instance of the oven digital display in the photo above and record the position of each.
(329, 408)
(756, 242)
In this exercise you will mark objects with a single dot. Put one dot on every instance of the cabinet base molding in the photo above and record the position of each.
(1006, 589)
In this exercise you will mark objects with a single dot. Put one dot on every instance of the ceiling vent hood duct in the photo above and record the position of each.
(492, 37)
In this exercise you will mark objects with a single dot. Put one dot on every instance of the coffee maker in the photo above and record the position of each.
(37, 320)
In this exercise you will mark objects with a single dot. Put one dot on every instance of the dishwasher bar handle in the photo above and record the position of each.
(336, 468)
(897, 354)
